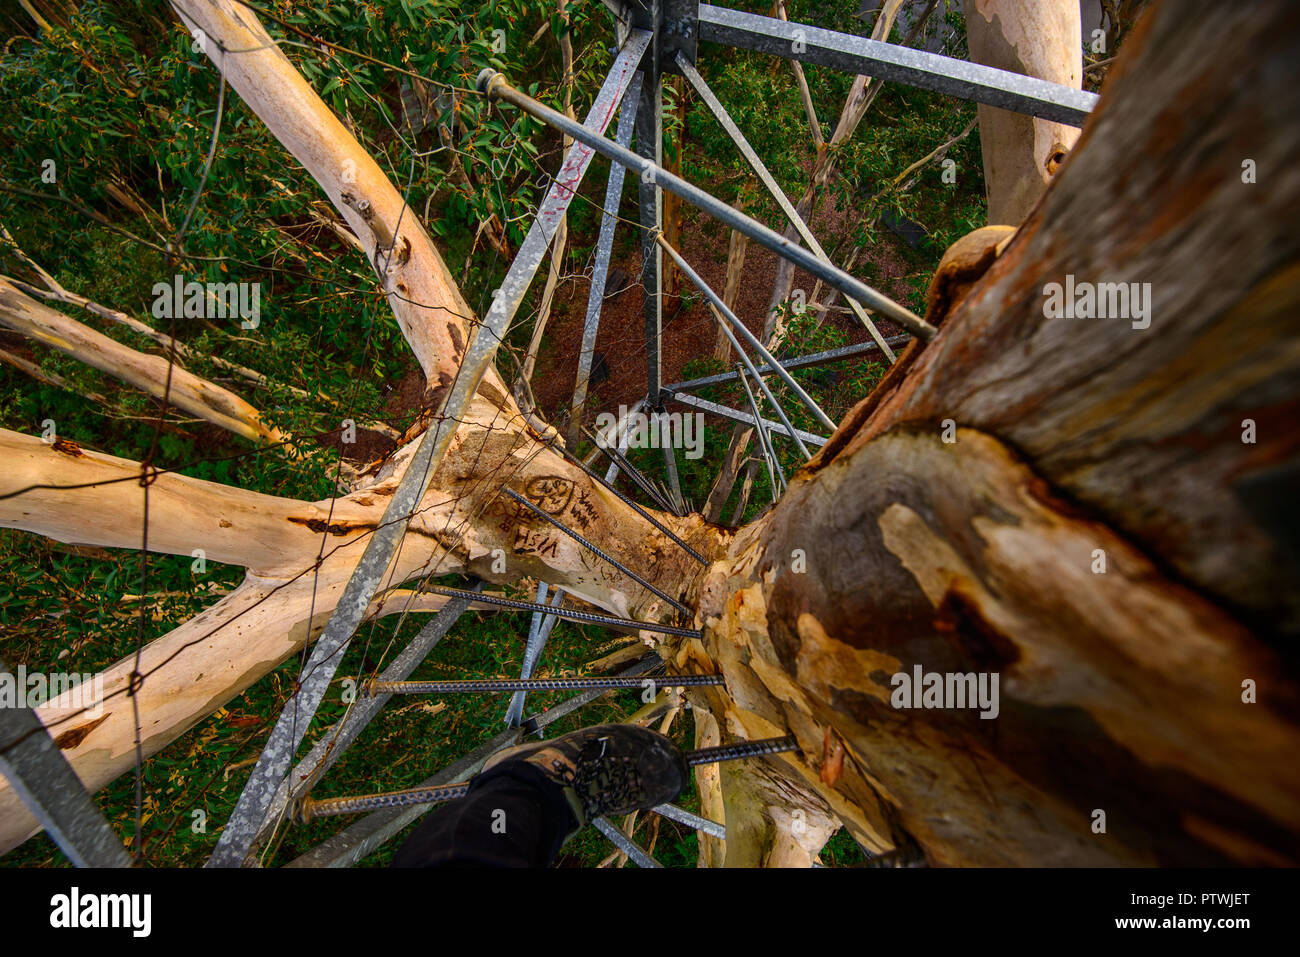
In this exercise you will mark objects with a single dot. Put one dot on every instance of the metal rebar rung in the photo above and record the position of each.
(568, 614)
(492, 685)
(747, 749)
(311, 809)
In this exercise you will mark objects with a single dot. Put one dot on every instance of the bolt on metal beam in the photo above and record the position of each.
(605, 556)
(494, 85)
(765, 177)
(727, 412)
(897, 64)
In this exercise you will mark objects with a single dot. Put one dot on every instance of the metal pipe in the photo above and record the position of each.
(727, 412)
(752, 339)
(769, 453)
(568, 614)
(675, 813)
(604, 249)
(494, 85)
(625, 844)
(632, 472)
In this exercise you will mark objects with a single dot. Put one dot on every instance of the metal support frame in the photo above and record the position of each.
(649, 146)
(670, 30)
(595, 477)
(773, 187)
(45, 782)
(604, 556)
(539, 630)
(682, 816)
(670, 468)
(331, 745)
(506, 685)
(369, 834)
(894, 63)
(363, 838)
(494, 85)
(570, 614)
(604, 248)
(725, 312)
(619, 462)
(735, 415)
(799, 362)
(764, 440)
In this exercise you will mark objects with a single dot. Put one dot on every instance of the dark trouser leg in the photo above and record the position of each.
(513, 816)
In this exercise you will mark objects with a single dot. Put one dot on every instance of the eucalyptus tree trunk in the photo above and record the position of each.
(1091, 518)
(1042, 39)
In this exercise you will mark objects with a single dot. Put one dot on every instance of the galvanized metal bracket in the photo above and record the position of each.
(675, 25)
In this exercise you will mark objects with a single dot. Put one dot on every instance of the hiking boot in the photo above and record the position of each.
(606, 769)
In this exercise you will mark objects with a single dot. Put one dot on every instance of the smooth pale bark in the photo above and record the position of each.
(433, 315)
(189, 673)
(264, 533)
(1038, 38)
(148, 373)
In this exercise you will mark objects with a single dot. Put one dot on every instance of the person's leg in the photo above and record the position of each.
(530, 799)
(513, 816)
